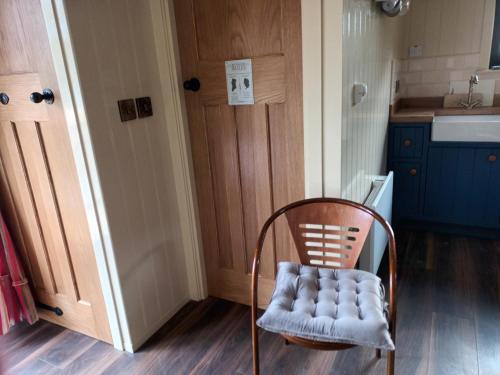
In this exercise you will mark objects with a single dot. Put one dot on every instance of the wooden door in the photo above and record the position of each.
(40, 191)
(248, 160)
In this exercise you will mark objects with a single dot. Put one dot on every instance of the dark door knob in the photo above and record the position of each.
(4, 98)
(192, 84)
(46, 95)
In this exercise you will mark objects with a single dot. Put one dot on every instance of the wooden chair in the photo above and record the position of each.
(341, 226)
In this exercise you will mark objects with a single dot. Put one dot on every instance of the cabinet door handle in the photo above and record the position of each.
(407, 142)
(413, 171)
(492, 158)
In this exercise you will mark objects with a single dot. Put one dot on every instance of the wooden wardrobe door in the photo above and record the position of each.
(40, 191)
(248, 160)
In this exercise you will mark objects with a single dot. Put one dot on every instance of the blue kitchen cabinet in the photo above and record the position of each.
(408, 141)
(407, 157)
(463, 185)
(407, 189)
(455, 183)
(486, 190)
(449, 182)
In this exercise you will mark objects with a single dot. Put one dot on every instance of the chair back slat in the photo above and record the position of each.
(329, 235)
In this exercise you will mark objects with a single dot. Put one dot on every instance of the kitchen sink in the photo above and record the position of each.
(477, 128)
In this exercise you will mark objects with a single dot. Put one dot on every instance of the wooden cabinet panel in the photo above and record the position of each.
(408, 142)
(407, 188)
(486, 192)
(407, 153)
(449, 180)
(452, 182)
(462, 186)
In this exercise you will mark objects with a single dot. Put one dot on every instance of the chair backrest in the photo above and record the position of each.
(329, 234)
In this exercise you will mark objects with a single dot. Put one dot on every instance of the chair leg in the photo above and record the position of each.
(255, 349)
(378, 353)
(390, 362)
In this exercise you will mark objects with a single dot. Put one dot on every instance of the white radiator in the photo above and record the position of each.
(380, 200)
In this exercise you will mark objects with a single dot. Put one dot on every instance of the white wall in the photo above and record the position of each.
(371, 41)
(114, 48)
(347, 41)
(455, 36)
(332, 53)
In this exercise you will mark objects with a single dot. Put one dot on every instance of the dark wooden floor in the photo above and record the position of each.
(448, 323)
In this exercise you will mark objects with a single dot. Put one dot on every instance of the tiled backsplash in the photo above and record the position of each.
(431, 76)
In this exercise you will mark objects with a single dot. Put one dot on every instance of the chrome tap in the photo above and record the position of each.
(469, 104)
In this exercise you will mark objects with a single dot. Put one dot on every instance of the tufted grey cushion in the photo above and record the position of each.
(345, 306)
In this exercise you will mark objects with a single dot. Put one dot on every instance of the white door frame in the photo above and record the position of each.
(168, 57)
(322, 96)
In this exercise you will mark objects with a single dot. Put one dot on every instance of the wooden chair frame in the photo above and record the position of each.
(318, 344)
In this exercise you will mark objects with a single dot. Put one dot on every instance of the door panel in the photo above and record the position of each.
(234, 29)
(255, 171)
(407, 184)
(486, 179)
(37, 173)
(268, 75)
(248, 160)
(221, 136)
(462, 186)
(41, 196)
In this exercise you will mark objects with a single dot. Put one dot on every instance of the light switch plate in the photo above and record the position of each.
(127, 109)
(144, 107)
(416, 50)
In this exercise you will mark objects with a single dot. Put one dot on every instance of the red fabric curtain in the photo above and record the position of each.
(16, 300)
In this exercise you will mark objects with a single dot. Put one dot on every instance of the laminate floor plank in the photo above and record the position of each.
(69, 347)
(207, 332)
(415, 293)
(37, 367)
(94, 360)
(453, 346)
(19, 336)
(485, 281)
(448, 323)
(452, 277)
(42, 339)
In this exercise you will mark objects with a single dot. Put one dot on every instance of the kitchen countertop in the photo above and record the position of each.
(411, 110)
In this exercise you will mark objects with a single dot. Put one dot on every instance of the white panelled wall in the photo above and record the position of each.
(115, 54)
(370, 41)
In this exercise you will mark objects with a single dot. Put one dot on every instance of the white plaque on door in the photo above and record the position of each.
(239, 82)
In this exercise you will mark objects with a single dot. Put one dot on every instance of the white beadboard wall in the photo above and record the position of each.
(113, 42)
(370, 43)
